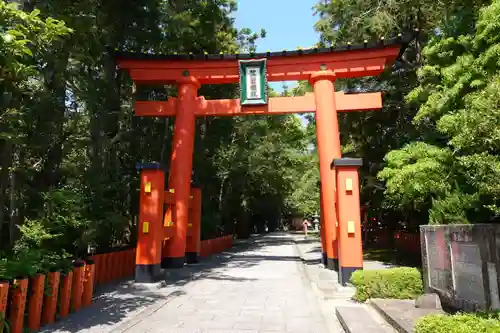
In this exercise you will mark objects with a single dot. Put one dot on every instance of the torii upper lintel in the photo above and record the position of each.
(368, 59)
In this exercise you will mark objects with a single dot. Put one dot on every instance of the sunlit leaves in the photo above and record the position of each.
(22, 34)
(416, 173)
(458, 95)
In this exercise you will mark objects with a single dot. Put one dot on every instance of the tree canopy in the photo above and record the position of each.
(453, 171)
(429, 153)
(69, 141)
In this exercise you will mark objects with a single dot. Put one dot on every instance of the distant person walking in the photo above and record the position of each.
(305, 226)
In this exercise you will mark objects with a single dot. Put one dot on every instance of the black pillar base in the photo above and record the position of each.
(171, 262)
(332, 264)
(346, 273)
(147, 273)
(324, 258)
(192, 257)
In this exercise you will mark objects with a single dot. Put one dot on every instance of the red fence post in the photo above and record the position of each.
(111, 267)
(116, 265)
(35, 302)
(210, 247)
(17, 305)
(88, 285)
(97, 267)
(50, 300)
(132, 263)
(108, 274)
(123, 268)
(215, 245)
(66, 283)
(202, 249)
(77, 288)
(4, 293)
(123, 264)
(129, 263)
(117, 262)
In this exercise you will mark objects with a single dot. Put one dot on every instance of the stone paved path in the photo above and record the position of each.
(259, 288)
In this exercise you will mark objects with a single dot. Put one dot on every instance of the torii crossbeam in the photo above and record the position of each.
(276, 106)
(340, 214)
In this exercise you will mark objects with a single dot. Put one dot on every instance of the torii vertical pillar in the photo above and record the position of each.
(152, 197)
(328, 141)
(324, 257)
(349, 231)
(193, 242)
(181, 166)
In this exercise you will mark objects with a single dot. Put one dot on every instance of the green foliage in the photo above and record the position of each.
(305, 197)
(30, 262)
(459, 323)
(341, 20)
(4, 323)
(24, 36)
(61, 226)
(452, 208)
(396, 283)
(69, 141)
(454, 173)
(413, 171)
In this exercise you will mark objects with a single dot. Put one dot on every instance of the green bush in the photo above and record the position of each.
(30, 262)
(397, 283)
(459, 323)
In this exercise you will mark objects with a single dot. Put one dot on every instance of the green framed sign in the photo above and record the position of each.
(253, 82)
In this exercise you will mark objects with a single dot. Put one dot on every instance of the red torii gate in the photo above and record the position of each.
(340, 214)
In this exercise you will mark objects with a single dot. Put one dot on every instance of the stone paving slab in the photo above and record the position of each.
(357, 320)
(401, 314)
(326, 281)
(258, 287)
(112, 307)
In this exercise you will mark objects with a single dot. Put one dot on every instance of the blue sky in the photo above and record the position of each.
(288, 23)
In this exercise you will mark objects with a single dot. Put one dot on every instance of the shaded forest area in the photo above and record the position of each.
(69, 141)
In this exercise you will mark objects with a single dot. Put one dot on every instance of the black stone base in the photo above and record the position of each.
(147, 273)
(192, 257)
(332, 264)
(345, 274)
(171, 262)
(324, 258)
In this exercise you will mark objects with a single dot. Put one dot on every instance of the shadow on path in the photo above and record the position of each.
(118, 303)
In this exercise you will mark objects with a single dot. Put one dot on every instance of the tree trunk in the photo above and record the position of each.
(16, 205)
(55, 84)
(6, 163)
(166, 143)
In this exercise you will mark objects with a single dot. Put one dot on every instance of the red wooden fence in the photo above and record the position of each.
(72, 290)
(407, 241)
(403, 240)
(216, 245)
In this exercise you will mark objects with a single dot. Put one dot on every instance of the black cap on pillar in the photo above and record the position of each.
(346, 161)
(149, 166)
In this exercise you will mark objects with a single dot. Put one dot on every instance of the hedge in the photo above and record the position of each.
(396, 283)
(459, 323)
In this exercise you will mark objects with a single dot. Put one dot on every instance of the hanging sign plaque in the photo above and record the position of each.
(253, 82)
